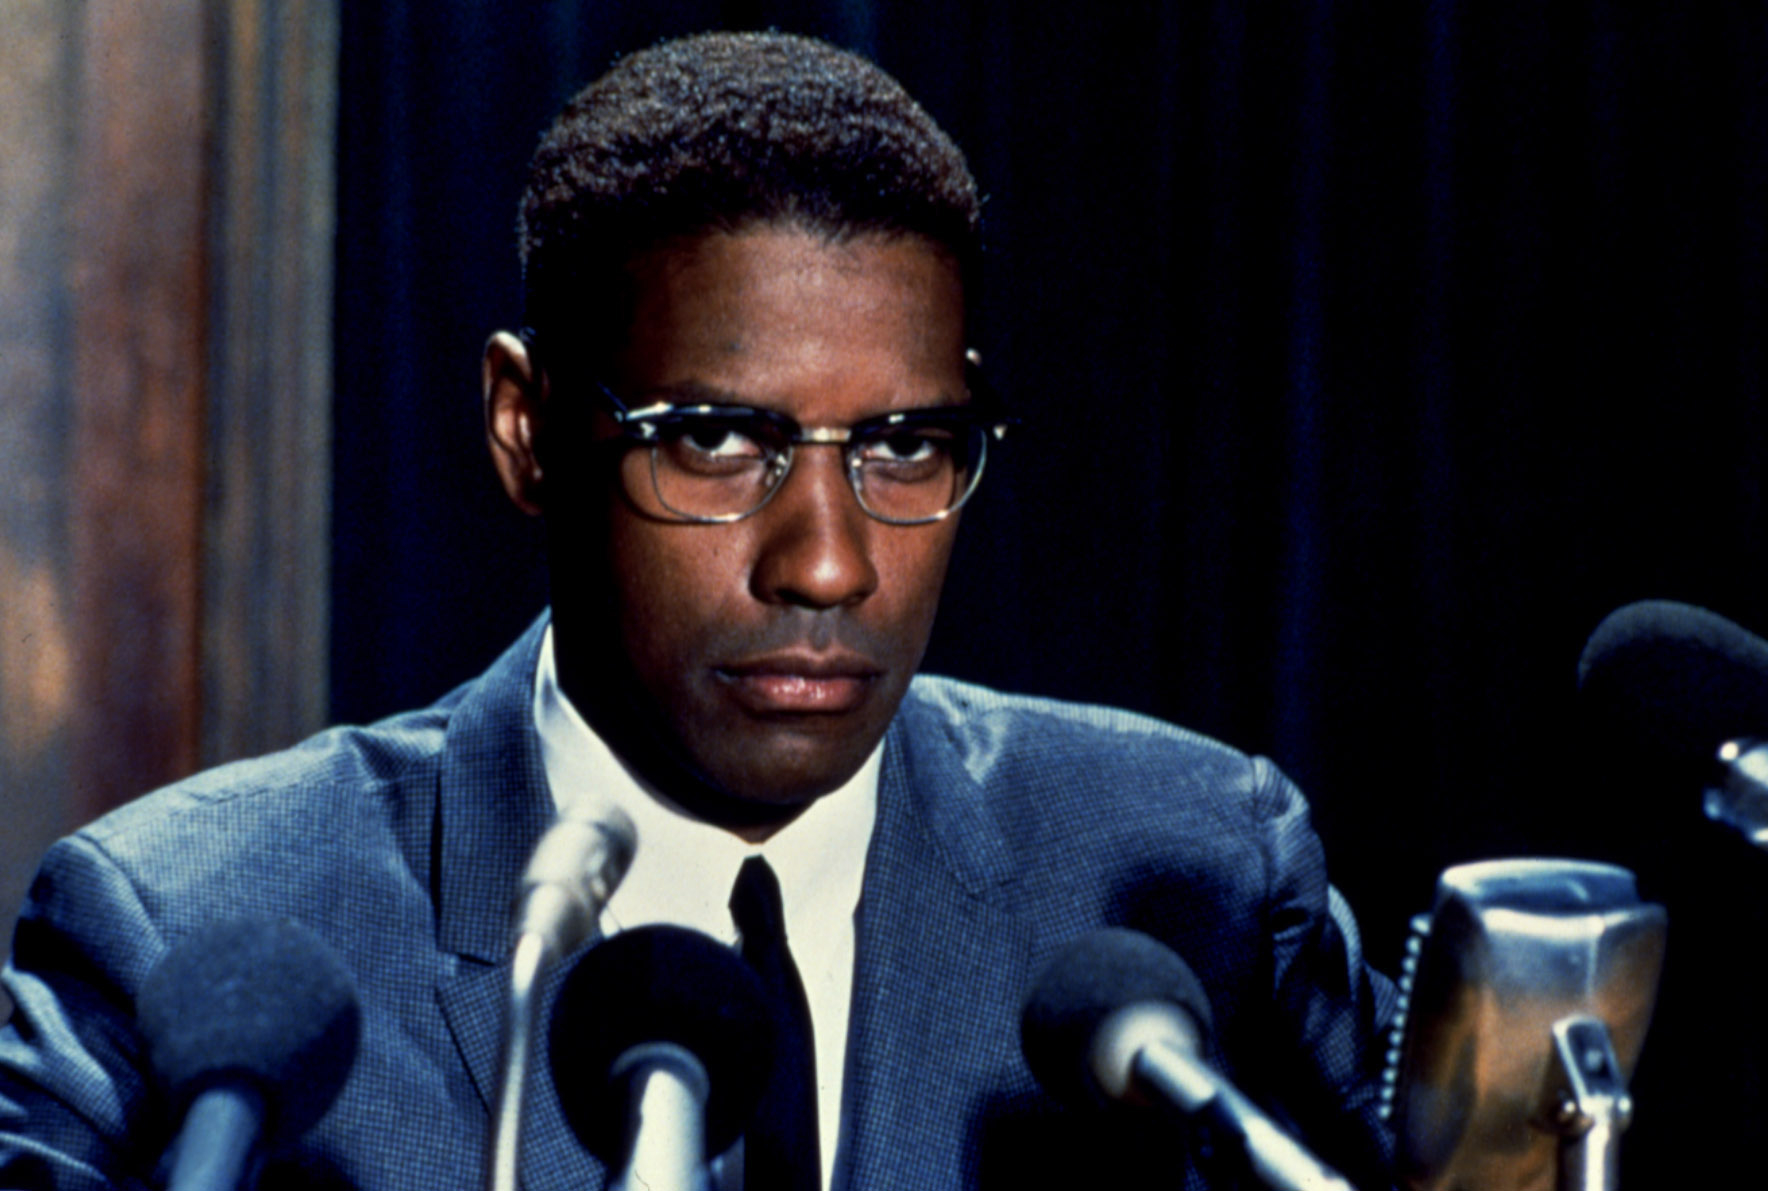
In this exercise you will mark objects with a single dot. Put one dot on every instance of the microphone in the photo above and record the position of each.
(1118, 1017)
(1687, 689)
(251, 1027)
(1526, 995)
(575, 869)
(661, 1044)
(573, 872)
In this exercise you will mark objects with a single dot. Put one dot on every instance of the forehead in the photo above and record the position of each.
(772, 314)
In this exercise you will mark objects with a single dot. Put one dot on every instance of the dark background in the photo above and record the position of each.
(1369, 355)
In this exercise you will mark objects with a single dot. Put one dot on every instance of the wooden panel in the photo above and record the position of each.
(165, 360)
(137, 267)
(36, 616)
(266, 583)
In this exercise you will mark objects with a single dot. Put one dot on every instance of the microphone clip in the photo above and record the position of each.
(1737, 795)
(1594, 1107)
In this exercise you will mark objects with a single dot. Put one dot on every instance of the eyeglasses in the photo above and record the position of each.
(722, 463)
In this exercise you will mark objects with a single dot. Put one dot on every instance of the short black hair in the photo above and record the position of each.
(717, 132)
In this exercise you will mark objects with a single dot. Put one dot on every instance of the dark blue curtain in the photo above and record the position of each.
(1369, 355)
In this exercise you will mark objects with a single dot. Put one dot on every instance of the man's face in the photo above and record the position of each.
(774, 650)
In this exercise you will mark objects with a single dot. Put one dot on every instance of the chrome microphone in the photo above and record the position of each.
(1527, 993)
(575, 869)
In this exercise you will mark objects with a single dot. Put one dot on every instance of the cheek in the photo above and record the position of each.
(912, 571)
(677, 584)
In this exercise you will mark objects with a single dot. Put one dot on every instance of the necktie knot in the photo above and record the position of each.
(755, 906)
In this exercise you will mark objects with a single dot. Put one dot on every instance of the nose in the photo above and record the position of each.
(816, 542)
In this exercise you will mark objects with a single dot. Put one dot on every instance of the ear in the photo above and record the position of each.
(513, 399)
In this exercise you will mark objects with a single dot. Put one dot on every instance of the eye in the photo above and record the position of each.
(905, 446)
(713, 447)
(906, 453)
(717, 441)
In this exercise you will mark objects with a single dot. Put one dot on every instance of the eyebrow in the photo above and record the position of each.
(693, 392)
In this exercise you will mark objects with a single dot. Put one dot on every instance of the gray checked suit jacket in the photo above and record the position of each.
(1006, 827)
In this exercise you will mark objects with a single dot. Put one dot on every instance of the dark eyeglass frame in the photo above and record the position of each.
(645, 426)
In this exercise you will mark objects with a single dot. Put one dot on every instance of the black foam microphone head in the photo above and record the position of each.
(1083, 984)
(258, 1000)
(1672, 682)
(659, 984)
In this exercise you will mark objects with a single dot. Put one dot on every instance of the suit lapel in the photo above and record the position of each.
(473, 1002)
(939, 972)
(493, 806)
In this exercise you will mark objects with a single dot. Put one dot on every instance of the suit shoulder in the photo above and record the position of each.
(1027, 741)
(972, 703)
(341, 770)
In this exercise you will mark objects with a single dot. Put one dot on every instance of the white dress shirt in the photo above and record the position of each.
(683, 870)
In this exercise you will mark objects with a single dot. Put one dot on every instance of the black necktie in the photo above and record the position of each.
(780, 1151)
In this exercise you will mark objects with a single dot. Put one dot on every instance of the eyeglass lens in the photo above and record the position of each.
(705, 469)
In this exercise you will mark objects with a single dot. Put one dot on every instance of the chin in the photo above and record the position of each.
(788, 778)
(783, 787)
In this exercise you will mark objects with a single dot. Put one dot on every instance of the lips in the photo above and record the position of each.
(800, 683)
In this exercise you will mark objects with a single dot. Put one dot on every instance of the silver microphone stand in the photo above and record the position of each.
(574, 871)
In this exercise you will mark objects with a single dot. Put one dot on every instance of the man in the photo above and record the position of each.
(743, 406)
